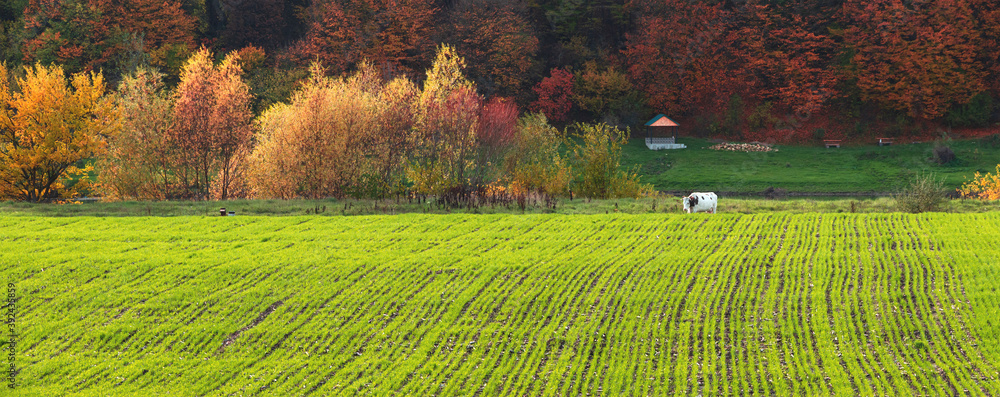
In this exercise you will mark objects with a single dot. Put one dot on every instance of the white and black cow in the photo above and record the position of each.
(701, 202)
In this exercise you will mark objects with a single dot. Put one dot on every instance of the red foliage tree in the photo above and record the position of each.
(497, 122)
(917, 57)
(555, 95)
(388, 33)
(159, 22)
(684, 55)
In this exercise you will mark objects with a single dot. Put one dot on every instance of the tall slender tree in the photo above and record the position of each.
(212, 122)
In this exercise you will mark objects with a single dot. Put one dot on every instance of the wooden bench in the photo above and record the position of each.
(885, 141)
(831, 143)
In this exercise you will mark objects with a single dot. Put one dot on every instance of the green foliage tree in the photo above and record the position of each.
(535, 164)
(606, 93)
(596, 160)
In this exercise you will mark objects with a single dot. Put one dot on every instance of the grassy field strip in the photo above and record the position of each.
(547, 305)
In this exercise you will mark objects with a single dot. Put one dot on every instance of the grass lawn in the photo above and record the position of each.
(331, 207)
(802, 168)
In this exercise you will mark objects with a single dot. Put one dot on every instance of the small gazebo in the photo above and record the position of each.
(661, 133)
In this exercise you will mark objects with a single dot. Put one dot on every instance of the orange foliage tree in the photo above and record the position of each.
(915, 57)
(497, 43)
(212, 124)
(388, 33)
(683, 56)
(77, 34)
(789, 52)
(47, 126)
(337, 137)
(93, 34)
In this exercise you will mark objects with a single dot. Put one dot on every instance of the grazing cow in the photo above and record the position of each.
(701, 202)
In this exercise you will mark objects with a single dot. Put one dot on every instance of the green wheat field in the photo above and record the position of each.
(506, 305)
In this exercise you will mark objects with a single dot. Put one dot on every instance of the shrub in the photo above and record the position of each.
(762, 117)
(819, 134)
(943, 155)
(983, 187)
(923, 193)
(597, 163)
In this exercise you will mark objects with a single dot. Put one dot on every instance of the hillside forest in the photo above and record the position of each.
(320, 98)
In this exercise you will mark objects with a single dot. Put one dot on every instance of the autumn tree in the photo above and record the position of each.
(535, 163)
(982, 187)
(337, 137)
(395, 34)
(211, 123)
(165, 30)
(605, 93)
(140, 162)
(915, 57)
(446, 125)
(555, 95)
(76, 34)
(47, 126)
(680, 56)
(596, 163)
(99, 34)
(497, 43)
(495, 137)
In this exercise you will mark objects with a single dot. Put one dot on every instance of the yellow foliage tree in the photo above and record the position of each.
(47, 126)
(446, 123)
(983, 187)
(138, 162)
(337, 137)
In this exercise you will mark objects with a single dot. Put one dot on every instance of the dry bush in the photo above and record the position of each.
(923, 193)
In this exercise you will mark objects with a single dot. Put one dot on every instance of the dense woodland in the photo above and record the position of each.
(318, 98)
(728, 67)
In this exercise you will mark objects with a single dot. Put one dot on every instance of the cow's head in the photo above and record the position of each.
(689, 203)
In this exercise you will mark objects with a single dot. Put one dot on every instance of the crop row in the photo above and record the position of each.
(508, 305)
